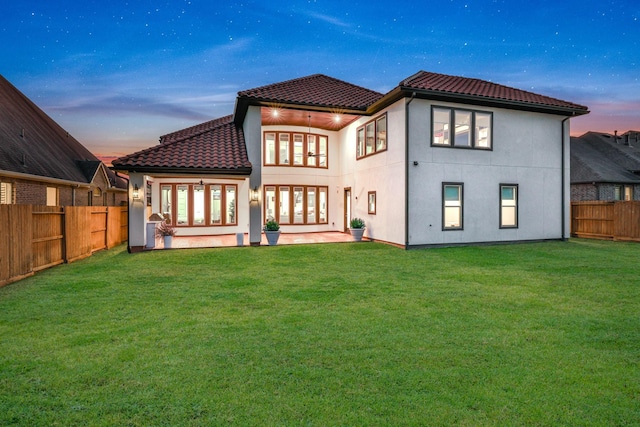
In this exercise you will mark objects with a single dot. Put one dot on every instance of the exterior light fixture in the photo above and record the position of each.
(254, 195)
(337, 118)
(136, 191)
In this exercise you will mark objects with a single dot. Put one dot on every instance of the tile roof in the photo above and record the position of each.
(484, 90)
(34, 144)
(315, 90)
(216, 146)
(597, 157)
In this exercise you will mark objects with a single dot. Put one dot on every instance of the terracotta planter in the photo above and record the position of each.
(357, 233)
(272, 237)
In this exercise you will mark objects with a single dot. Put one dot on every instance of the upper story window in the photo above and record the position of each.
(372, 137)
(296, 149)
(471, 129)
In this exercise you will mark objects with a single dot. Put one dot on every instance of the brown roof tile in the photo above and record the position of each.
(216, 146)
(316, 90)
(445, 84)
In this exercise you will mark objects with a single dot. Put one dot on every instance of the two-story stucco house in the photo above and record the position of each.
(439, 160)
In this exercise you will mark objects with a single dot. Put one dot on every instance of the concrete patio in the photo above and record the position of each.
(230, 240)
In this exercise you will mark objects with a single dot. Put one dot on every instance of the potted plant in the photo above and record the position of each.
(166, 231)
(357, 228)
(272, 231)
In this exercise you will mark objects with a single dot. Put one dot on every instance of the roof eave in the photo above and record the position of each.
(243, 103)
(242, 171)
(404, 91)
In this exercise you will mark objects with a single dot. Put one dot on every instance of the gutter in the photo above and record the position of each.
(406, 170)
(31, 177)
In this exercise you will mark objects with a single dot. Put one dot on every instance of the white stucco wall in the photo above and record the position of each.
(526, 151)
(305, 176)
(383, 173)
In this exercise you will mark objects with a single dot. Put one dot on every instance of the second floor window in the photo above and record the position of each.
(372, 137)
(296, 149)
(452, 127)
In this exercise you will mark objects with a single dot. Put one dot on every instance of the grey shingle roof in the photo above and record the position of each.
(597, 157)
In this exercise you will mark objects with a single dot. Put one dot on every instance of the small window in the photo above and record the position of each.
(371, 202)
(452, 206)
(508, 206)
(372, 137)
(52, 196)
(6, 193)
(628, 193)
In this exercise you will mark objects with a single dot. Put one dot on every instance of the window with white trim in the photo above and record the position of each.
(471, 129)
(452, 203)
(508, 206)
(52, 196)
(6, 193)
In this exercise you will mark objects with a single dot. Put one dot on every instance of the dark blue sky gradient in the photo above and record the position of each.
(118, 74)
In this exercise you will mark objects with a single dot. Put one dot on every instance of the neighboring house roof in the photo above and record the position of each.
(216, 146)
(31, 143)
(599, 157)
(475, 91)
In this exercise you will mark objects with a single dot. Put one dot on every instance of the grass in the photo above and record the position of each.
(345, 334)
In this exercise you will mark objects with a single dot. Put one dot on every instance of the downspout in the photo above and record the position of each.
(406, 170)
(563, 192)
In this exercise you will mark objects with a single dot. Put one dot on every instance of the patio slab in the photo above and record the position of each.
(229, 240)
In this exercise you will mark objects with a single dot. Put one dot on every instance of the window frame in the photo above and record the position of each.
(292, 189)
(502, 205)
(371, 202)
(207, 188)
(52, 192)
(6, 193)
(310, 159)
(361, 143)
(473, 131)
(444, 206)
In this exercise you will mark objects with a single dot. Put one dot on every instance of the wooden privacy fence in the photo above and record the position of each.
(36, 237)
(606, 220)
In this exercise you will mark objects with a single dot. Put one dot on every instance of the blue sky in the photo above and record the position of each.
(119, 74)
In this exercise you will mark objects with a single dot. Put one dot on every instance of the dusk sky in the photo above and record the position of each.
(117, 75)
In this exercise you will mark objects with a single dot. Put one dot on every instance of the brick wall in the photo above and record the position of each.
(583, 192)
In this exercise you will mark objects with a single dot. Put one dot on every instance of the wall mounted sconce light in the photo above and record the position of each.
(136, 191)
(255, 195)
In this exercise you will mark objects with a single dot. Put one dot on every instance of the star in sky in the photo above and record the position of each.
(119, 74)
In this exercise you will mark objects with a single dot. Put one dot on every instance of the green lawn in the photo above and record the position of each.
(327, 335)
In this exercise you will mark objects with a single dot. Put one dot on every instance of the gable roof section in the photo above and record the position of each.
(597, 157)
(480, 92)
(317, 91)
(32, 143)
(216, 146)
